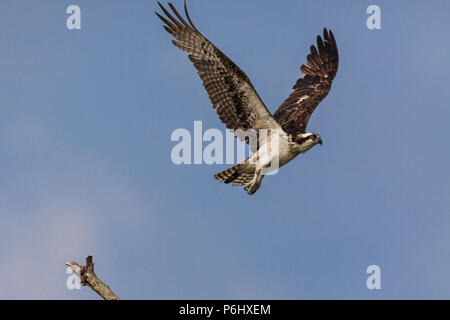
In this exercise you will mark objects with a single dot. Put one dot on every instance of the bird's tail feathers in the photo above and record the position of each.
(228, 175)
(235, 174)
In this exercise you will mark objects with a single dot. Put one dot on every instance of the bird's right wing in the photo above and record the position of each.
(230, 90)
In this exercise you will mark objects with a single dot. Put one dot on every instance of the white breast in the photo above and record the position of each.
(267, 155)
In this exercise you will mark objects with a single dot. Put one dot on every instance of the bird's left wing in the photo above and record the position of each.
(230, 90)
(320, 70)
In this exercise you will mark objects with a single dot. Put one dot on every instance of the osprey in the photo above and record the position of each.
(241, 109)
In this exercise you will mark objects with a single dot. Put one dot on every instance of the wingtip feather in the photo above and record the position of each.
(188, 17)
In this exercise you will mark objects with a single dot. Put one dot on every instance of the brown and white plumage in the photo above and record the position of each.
(239, 106)
(231, 93)
(320, 70)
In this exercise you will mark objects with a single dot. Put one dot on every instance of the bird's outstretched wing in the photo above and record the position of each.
(321, 67)
(230, 90)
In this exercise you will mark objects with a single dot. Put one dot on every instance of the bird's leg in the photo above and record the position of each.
(254, 185)
(258, 183)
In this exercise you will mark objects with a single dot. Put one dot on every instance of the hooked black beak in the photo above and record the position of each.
(320, 141)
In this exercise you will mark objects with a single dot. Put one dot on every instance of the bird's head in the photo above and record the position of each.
(309, 139)
(316, 138)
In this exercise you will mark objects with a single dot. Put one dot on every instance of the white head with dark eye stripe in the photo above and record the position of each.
(315, 137)
(308, 140)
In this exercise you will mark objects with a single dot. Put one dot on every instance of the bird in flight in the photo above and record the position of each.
(241, 109)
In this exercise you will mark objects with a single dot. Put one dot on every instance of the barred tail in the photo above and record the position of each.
(235, 174)
(228, 175)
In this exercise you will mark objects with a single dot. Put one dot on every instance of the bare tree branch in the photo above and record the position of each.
(88, 277)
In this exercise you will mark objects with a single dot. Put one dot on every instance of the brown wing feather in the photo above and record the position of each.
(230, 90)
(320, 69)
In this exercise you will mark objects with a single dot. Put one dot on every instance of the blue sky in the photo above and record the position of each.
(85, 154)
